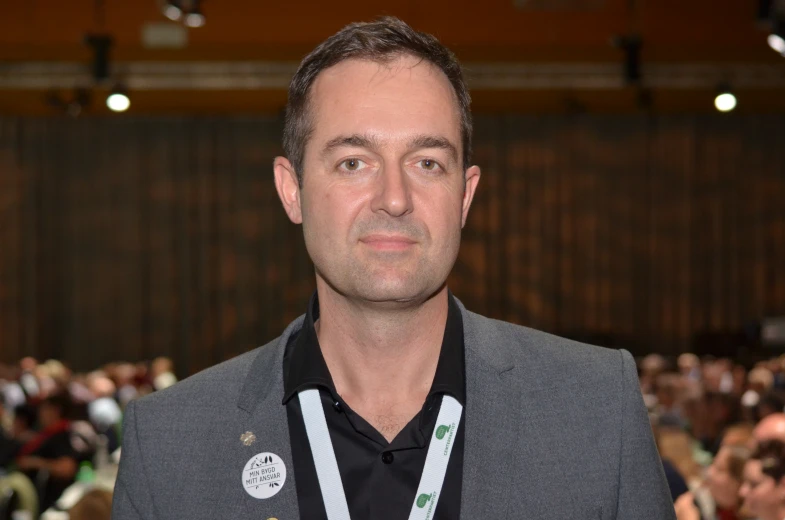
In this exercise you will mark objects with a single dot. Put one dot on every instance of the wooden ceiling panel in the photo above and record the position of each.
(487, 31)
(469, 23)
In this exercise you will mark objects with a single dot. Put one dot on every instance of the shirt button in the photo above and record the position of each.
(387, 457)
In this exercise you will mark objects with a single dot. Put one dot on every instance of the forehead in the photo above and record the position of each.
(407, 96)
(752, 469)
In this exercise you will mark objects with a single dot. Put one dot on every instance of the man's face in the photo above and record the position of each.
(383, 199)
(761, 494)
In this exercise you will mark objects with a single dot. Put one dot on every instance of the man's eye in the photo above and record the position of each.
(429, 164)
(352, 165)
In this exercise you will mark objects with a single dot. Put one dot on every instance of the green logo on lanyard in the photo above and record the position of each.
(422, 500)
(441, 431)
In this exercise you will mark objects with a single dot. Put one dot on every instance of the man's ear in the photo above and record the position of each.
(288, 188)
(472, 177)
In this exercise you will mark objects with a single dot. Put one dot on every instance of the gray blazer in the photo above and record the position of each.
(554, 430)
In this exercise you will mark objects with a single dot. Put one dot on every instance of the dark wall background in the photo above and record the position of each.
(136, 237)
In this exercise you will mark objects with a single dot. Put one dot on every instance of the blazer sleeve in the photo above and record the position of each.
(643, 490)
(132, 499)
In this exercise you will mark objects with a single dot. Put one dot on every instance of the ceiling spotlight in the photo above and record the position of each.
(725, 100)
(194, 18)
(777, 37)
(118, 100)
(172, 10)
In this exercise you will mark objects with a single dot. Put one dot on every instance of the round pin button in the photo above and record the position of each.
(264, 475)
(387, 457)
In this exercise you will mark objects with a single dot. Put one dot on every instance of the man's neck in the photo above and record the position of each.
(381, 358)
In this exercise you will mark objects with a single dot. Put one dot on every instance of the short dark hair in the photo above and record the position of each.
(771, 453)
(27, 414)
(381, 41)
(62, 401)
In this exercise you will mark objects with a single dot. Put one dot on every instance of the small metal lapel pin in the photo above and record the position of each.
(248, 438)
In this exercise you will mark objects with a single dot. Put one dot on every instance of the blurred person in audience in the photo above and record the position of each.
(760, 378)
(694, 410)
(738, 434)
(19, 432)
(103, 411)
(770, 403)
(763, 487)
(59, 374)
(49, 458)
(726, 379)
(775, 366)
(723, 482)
(79, 388)
(716, 376)
(651, 366)
(723, 409)
(47, 384)
(677, 462)
(162, 373)
(11, 391)
(28, 379)
(96, 504)
(24, 423)
(142, 381)
(124, 376)
(779, 374)
(739, 376)
(689, 366)
(668, 391)
(749, 403)
(8, 447)
(677, 447)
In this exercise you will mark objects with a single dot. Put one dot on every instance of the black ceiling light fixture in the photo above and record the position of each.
(100, 44)
(118, 99)
(631, 46)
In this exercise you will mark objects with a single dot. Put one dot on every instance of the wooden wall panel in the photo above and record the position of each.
(132, 238)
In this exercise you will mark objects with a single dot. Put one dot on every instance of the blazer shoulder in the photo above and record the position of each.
(520, 346)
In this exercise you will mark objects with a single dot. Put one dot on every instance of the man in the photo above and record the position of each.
(389, 399)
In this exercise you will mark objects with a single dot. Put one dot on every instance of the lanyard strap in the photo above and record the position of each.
(432, 478)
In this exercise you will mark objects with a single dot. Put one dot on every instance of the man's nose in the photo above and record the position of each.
(393, 192)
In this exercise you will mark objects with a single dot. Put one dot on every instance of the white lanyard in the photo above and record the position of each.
(432, 478)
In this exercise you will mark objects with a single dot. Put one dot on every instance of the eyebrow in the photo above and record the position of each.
(433, 141)
(372, 143)
(356, 140)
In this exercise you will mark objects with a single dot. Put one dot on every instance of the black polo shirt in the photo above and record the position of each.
(380, 479)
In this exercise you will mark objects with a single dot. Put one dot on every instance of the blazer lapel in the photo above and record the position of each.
(490, 441)
(265, 417)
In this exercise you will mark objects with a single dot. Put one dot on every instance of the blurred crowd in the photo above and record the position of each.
(719, 427)
(720, 430)
(61, 431)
